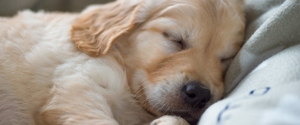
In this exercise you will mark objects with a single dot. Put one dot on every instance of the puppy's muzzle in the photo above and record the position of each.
(196, 95)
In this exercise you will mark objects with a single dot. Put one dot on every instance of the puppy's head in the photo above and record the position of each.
(175, 51)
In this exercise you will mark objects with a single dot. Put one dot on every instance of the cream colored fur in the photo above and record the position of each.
(39, 61)
(42, 69)
(45, 79)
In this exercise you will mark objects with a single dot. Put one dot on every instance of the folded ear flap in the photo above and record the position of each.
(96, 31)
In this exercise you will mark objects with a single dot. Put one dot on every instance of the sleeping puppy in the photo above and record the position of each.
(129, 62)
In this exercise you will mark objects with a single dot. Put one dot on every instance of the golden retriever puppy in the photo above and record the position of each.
(128, 62)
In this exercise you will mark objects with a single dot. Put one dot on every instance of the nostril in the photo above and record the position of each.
(191, 95)
(195, 95)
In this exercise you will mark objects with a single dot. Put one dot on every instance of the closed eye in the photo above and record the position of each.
(177, 40)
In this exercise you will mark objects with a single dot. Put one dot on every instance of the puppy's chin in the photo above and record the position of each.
(191, 116)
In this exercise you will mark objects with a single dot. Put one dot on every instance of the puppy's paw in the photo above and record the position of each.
(169, 120)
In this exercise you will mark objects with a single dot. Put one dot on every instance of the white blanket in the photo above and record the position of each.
(263, 82)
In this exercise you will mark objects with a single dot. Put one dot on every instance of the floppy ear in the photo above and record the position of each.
(96, 31)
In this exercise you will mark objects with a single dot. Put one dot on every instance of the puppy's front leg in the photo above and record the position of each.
(169, 120)
(77, 103)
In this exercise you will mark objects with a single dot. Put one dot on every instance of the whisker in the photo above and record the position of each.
(161, 107)
(152, 107)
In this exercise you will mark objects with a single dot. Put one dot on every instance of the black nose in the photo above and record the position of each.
(195, 95)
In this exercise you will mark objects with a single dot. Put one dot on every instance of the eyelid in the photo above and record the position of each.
(172, 36)
(177, 39)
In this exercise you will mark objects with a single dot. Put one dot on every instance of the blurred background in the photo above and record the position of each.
(11, 7)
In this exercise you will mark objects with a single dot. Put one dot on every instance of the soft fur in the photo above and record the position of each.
(134, 57)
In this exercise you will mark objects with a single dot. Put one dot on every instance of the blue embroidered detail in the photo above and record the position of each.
(252, 93)
(220, 115)
(264, 92)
